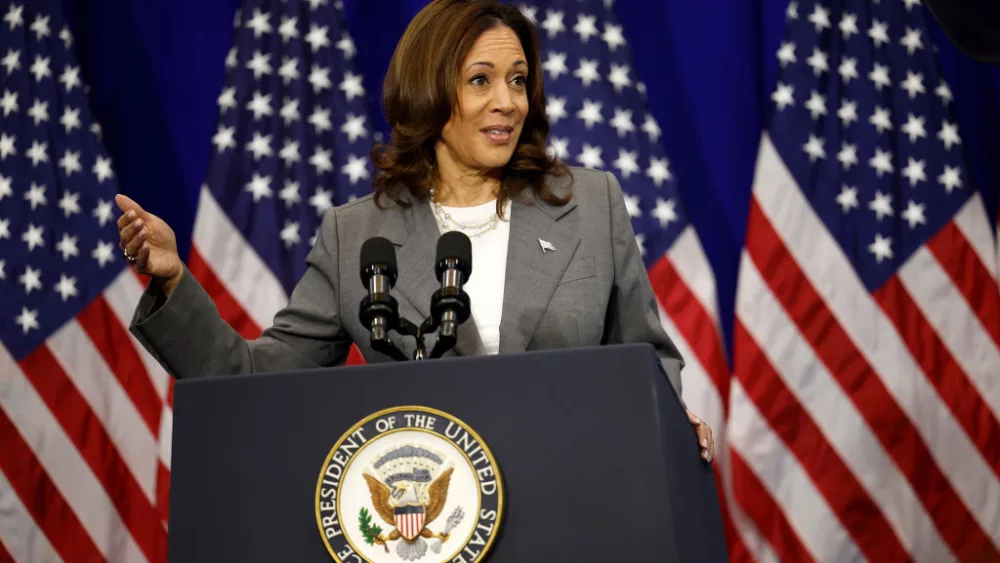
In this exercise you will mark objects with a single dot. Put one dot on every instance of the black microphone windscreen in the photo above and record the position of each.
(456, 245)
(378, 251)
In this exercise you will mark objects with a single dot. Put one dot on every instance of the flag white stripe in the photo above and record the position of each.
(805, 376)
(688, 259)
(806, 511)
(19, 532)
(123, 296)
(70, 473)
(236, 263)
(973, 222)
(955, 323)
(166, 436)
(830, 273)
(86, 368)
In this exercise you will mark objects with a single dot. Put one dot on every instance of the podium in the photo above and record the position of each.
(595, 461)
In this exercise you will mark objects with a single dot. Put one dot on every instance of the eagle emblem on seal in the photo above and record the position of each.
(409, 488)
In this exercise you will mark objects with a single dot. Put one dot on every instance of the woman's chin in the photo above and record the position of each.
(496, 157)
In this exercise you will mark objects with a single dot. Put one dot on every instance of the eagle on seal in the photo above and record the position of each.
(409, 499)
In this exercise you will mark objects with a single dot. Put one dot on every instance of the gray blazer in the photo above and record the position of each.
(592, 290)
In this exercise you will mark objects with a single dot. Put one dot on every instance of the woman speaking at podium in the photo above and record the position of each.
(556, 262)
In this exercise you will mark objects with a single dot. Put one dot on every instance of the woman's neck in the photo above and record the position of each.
(464, 188)
(466, 194)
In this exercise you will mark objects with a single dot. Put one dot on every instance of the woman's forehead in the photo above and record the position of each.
(497, 45)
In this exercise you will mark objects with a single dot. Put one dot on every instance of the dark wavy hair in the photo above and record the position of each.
(421, 92)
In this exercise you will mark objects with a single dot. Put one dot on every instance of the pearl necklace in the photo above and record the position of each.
(444, 218)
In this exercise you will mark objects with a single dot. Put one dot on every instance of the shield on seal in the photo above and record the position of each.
(409, 520)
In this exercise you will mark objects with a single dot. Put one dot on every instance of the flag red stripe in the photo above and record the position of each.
(793, 423)
(354, 357)
(41, 497)
(738, 551)
(967, 272)
(5, 556)
(96, 447)
(758, 505)
(962, 532)
(163, 492)
(229, 308)
(698, 328)
(113, 342)
(847, 365)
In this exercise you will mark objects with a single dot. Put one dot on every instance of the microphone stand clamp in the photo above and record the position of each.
(378, 312)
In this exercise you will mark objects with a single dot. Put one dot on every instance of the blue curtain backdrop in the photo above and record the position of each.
(156, 68)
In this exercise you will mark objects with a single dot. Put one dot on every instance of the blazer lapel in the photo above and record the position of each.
(533, 272)
(417, 281)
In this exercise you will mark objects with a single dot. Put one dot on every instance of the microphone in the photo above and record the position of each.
(379, 311)
(450, 304)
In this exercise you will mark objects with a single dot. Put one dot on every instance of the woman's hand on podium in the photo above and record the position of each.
(149, 244)
(705, 439)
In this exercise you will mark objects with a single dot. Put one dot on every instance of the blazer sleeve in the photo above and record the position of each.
(187, 336)
(634, 315)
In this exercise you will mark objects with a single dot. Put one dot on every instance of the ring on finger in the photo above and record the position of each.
(134, 246)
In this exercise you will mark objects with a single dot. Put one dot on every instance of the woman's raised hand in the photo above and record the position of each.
(149, 244)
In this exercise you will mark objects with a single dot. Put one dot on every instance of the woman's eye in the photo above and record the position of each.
(479, 80)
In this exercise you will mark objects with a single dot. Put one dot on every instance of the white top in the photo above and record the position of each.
(489, 265)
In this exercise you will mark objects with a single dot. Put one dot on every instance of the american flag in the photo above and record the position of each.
(600, 119)
(292, 140)
(863, 413)
(84, 415)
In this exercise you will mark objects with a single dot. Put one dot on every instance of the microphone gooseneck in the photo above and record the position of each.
(450, 304)
(379, 311)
